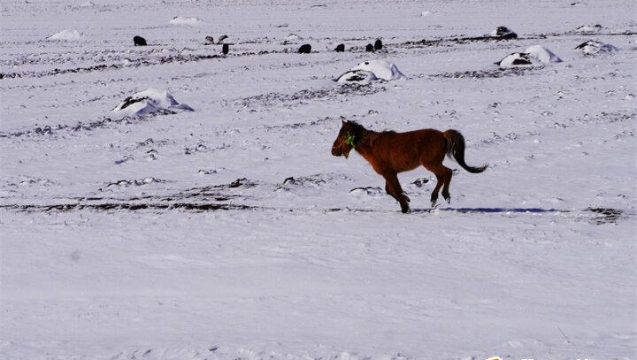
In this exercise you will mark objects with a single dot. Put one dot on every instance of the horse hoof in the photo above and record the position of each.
(404, 209)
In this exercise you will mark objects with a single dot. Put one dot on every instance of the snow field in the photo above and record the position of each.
(230, 232)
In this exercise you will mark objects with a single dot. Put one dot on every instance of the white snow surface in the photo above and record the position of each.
(231, 232)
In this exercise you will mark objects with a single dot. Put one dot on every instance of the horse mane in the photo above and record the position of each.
(363, 134)
(357, 129)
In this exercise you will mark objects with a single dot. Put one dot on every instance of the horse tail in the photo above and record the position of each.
(455, 150)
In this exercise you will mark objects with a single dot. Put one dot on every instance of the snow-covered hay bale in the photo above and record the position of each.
(594, 47)
(66, 35)
(357, 77)
(503, 32)
(542, 54)
(381, 69)
(514, 60)
(587, 29)
(150, 101)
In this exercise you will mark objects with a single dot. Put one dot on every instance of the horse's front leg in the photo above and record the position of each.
(389, 193)
(393, 188)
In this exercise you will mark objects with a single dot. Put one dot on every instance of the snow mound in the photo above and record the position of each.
(291, 39)
(150, 101)
(588, 29)
(594, 47)
(66, 35)
(535, 55)
(180, 20)
(381, 69)
(515, 60)
(357, 76)
(542, 54)
(503, 32)
(88, 4)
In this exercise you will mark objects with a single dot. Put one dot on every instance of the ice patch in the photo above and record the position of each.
(66, 35)
(180, 20)
(150, 101)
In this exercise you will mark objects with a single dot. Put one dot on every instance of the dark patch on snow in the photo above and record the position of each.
(297, 98)
(486, 74)
(132, 100)
(606, 215)
(420, 182)
(368, 190)
(214, 202)
(302, 181)
(298, 125)
(49, 131)
(195, 207)
(601, 118)
(458, 40)
(103, 67)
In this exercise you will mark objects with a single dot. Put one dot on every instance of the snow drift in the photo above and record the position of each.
(149, 101)
(66, 35)
(542, 54)
(371, 70)
(180, 20)
(594, 47)
(535, 55)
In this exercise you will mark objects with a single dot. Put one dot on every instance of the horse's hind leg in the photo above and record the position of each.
(393, 188)
(443, 176)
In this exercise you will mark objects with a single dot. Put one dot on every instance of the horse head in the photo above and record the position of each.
(346, 139)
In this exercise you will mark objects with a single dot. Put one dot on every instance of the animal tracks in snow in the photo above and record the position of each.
(194, 203)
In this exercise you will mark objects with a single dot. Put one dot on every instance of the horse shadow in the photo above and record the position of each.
(493, 210)
(596, 216)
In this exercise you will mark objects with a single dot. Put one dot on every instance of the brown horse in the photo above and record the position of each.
(390, 153)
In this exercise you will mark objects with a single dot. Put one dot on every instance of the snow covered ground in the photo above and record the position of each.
(230, 232)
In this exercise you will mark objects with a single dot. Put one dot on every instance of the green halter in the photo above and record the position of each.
(349, 140)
